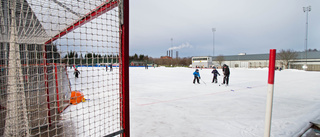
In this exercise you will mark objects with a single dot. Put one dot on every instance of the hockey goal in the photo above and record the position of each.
(50, 49)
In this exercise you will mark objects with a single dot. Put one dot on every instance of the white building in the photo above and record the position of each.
(260, 61)
(202, 62)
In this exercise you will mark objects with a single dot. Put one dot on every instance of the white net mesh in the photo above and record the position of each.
(43, 45)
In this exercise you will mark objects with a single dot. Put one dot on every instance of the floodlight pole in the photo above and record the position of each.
(306, 10)
(213, 30)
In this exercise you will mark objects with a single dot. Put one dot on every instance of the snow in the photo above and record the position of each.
(165, 103)
(97, 116)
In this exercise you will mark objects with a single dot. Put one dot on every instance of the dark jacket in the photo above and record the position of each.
(76, 72)
(226, 71)
(215, 72)
(224, 65)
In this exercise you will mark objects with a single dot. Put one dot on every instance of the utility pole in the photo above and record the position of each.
(306, 10)
(213, 30)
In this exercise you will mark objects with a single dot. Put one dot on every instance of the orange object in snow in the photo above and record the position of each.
(76, 97)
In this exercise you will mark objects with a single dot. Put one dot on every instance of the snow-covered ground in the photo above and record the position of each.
(99, 115)
(165, 103)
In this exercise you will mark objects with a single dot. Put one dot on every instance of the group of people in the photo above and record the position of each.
(77, 72)
(109, 66)
(226, 74)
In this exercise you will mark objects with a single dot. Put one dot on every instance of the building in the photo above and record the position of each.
(202, 61)
(262, 61)
(165, 57)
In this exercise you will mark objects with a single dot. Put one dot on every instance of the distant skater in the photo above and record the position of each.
(215, 73)
(226, 73)
(76, 73)
(196, 75)
(107, 68)
(110, 67)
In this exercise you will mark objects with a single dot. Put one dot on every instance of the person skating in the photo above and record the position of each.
(215, 73)
(110, 67)
(76, 73)
(107, 68)
(146, 66)
(226, 73)
(223, 68)
(196, 75)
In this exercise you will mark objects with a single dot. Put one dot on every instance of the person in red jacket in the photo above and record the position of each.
(76, 73)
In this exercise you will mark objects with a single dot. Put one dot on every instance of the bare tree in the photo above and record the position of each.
(220, 59)
(286, 56)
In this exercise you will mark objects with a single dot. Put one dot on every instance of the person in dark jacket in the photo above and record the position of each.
(110, 67)
(146, 66)
(215, 73)
(196, 75)
(226, 73)
(76, 73)
(223, 68)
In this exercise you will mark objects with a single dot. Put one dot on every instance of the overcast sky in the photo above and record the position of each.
(242, 26)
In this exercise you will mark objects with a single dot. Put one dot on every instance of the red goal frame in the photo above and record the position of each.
(124, 62)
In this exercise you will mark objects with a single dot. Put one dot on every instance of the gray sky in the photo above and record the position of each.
(242, 26)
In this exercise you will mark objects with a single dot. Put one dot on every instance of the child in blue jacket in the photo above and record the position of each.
(215, 73)
(196, 75)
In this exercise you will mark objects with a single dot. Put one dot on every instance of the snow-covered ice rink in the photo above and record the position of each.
(165, 103)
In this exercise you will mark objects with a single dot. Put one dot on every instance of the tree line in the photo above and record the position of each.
(186, 61)
(73, 57)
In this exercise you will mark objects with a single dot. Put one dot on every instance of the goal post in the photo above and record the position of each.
(50, 49)
(125, 68)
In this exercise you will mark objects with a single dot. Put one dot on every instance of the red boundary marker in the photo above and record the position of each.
(272, 62)
(269, 105)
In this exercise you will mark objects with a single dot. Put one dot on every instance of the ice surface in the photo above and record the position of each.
(165, 103)
(99, 115)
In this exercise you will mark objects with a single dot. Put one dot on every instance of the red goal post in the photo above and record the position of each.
(40, 40)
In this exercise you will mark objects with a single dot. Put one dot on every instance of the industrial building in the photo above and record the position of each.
(260, 61)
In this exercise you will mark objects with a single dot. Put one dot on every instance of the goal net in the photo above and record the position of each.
(64, 68)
